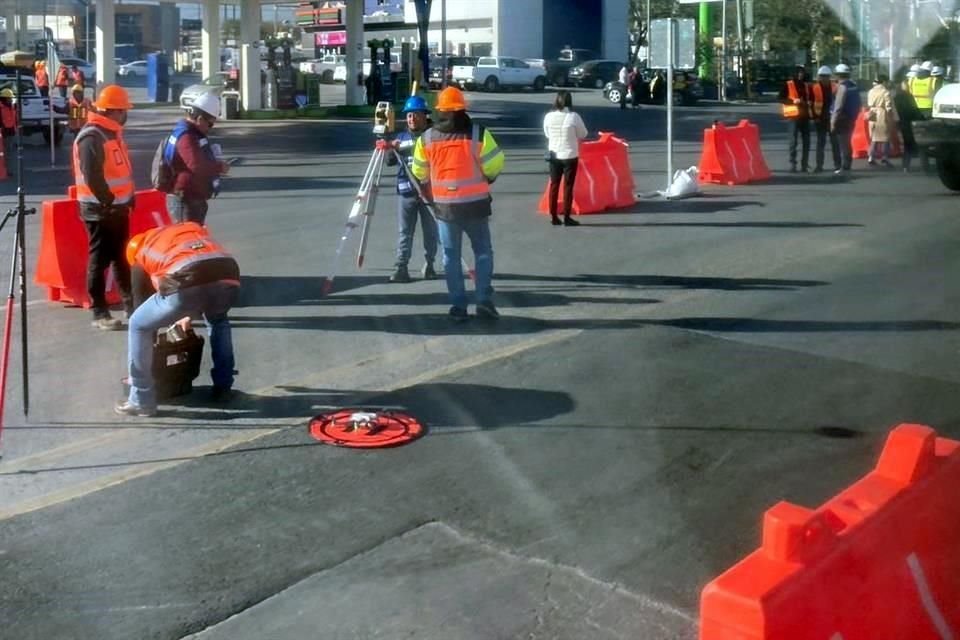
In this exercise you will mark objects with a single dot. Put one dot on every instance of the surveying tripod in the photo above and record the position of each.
(365, 202)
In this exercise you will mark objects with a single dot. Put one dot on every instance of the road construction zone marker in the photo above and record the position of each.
(879, 560)
(363, 429)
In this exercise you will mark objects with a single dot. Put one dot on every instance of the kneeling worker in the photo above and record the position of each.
(191, 274)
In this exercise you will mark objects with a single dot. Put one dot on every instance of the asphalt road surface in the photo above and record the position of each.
(661, 375)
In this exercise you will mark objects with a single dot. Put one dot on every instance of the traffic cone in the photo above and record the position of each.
(3, 157)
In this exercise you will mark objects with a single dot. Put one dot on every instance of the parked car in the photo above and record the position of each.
(135, 69)
(491, 73)
(36, 109)
(558, 70)
(595, 73)
(686, 89)
(436, 68)
(324, 67)
(89, 71)
(213, 84)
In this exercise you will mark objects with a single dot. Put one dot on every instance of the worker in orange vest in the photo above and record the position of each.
(77, 76)
(796, 109)
(8, 113)
(192, 274)
(821, 102)
(105, 190)
(42, 78)
(460, 159)
(63, 80)
(77, 109)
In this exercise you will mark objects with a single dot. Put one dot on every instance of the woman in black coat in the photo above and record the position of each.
(908, 113)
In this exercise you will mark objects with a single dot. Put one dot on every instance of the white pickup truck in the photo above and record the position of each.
(36, 109)
(492, 73)
(940, 136)
(323, 67)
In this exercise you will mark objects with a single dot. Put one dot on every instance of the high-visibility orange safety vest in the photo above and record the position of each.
(116, 161)
(8, 115)
(792, 111)
(43, 80)
(78, 113)
(63, 77)
(167, 250)
(455, 172)
(819, 99)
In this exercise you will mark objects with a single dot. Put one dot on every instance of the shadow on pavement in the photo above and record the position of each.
(692, 205)
(670, 282)
(721, 225)
(440, 324)
(438, 405)
(281, 291)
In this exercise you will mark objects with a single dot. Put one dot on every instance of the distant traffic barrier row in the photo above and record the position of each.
(732, 155)
(880, 560)
(861, 137)
(604, 178)
(64, 246)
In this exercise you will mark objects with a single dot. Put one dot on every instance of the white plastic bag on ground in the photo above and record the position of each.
(686, 183)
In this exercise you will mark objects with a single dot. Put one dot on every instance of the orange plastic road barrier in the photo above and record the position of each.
(604, 178)
(880, 560)
(63, 254)
(732, 155)
(861, 138)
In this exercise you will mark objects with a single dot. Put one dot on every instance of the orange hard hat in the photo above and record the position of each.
(451, 99)
(134, 246)
(113, 97)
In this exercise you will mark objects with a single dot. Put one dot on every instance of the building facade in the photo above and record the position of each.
(529, 28)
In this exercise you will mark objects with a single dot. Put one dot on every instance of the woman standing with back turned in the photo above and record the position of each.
(564, 129)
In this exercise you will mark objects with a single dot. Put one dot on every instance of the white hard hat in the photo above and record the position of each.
(937, 71)
(842, 68)
(824, 71)
(209, 103)
(911, 74)
(915, 68)
(927, 65)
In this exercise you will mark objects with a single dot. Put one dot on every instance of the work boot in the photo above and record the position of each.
(126, 409)
(458, 314)
(487, 311)
(428, 272)
(221, 394)
(107, 323)
(555, 220)
(570, 222)
(400, 275)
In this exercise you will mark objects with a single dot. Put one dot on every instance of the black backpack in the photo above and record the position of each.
(161, 173)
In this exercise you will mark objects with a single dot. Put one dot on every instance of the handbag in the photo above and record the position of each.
(872, 116)
(549, 156)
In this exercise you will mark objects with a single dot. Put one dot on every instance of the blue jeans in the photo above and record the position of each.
(451, 237)
(409, 209)
(213, 301)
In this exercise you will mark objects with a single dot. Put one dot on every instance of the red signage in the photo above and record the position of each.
(330, 39)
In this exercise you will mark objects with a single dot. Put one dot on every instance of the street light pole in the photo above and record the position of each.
(443, 42)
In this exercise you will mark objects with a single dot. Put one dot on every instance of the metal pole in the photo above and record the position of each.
(670, 23)
(739, 38)
(860, 26)
(86, 33)
(723, 53)
(443, 41)
(647, 27)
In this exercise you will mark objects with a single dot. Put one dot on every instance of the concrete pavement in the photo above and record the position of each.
(660, 377)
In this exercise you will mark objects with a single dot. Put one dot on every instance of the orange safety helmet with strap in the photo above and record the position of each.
(792, 111)
(116, 162)
(166, 250)
(455, 171)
